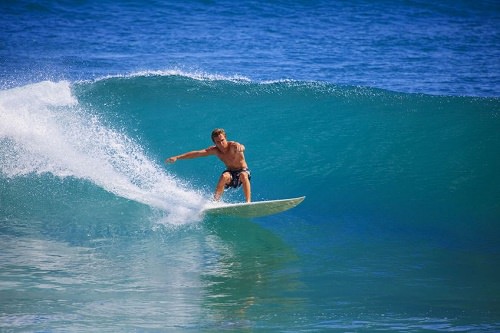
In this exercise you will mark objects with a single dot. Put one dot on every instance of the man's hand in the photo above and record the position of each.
(171, 159)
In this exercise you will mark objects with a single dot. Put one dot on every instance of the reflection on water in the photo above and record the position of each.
(249, 275)
(218, 274)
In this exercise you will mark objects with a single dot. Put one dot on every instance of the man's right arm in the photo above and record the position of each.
(191, 154)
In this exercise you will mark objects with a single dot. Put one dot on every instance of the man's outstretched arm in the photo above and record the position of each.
(190, 154)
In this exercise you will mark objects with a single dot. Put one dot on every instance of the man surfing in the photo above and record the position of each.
(231, 154)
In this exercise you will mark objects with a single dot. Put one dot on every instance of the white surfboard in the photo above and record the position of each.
(253, 209)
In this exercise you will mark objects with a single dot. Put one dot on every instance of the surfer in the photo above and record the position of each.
(231, 154)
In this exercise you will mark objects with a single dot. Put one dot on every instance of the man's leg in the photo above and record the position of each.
(246, 186)
(224, 179)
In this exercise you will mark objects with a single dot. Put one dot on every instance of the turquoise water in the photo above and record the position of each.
(399, 230)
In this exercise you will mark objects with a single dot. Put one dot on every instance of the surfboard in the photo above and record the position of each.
(253, 209)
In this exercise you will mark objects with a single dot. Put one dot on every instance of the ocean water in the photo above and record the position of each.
(385, 115)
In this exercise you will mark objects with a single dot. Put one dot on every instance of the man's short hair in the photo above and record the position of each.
(216, 132)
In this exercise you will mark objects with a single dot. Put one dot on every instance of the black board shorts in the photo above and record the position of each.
(235, 177)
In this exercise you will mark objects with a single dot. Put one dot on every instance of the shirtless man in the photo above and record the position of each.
(231, 154)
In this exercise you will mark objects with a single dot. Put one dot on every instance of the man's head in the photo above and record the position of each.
(219, 138)
(216, 132)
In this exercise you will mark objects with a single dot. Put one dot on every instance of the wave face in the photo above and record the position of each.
(400, 187)
(405, 157)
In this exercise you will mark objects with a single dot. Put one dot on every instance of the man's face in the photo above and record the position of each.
(220, 141)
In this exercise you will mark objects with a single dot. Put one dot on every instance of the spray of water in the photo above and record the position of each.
(43, 129)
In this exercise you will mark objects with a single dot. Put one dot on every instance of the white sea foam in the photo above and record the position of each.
(43, 129)
(195, 75)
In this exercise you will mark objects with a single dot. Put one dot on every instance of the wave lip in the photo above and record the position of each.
(195, 75)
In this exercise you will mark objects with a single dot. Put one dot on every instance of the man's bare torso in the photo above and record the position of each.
(232, 158)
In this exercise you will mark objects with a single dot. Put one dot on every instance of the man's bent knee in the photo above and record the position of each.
(244, 177)
(226, 177)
